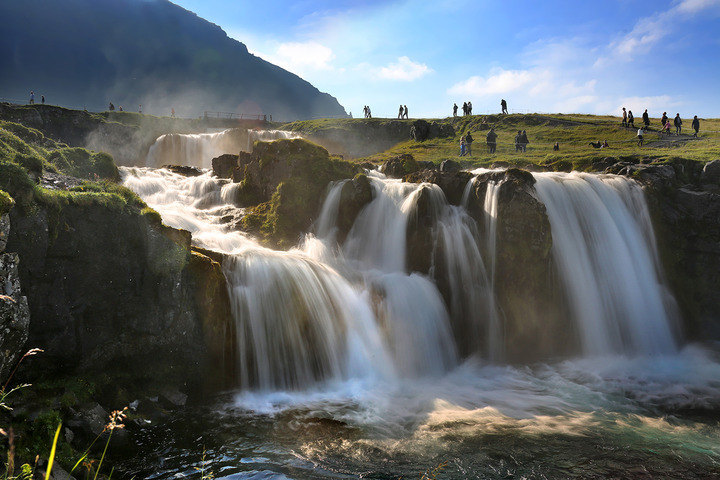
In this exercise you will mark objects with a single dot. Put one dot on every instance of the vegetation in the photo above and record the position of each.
(572, 132)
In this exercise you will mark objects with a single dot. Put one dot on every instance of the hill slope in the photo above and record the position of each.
(86, 53)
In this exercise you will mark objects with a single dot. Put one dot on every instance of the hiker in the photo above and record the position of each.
(696, 125)
(605, 144)
(455, 109)
(556, 147)
(640, 134)
(503, 106)
(42, 99)
(631, 119)
(465, 108)
(667, 127)
(646, 118)
(111, 107)
(140, 108)
(664, 119)
(518, 140)
(524, 141)
(400, 112)
(597, 144)
(406, 113)
(172, 112)
(369, 112)
(468, 143)
(462, 146)
(491, 140)
(32, 97)
(120, 108)
(624, 121)
(469, 108)
(678, 124)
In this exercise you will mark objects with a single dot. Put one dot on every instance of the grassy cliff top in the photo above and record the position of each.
(572, 132)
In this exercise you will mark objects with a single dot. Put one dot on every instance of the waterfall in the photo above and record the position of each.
(268, 136)
(195, 149)
(604, 248)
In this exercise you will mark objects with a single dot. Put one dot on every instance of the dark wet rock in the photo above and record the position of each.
(184, 170)
(58, 181)
(422, 130)
(14, 315)
(355, 194)
(526, 287)
(450, 166)
(452, 184)
(711, 173)
(426, 165)
(399, 166)
(173, 398)
(224, 165)
(420, 232)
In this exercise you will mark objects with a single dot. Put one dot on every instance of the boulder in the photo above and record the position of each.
(399, 166)
(421, 232)
(184, 170)
(452, 184)
(355, 194)
(14, 315)
(421, 130)
(224, 165)
(450, 166)
(529, 297)
(711, 173)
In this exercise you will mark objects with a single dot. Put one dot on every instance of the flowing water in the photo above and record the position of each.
(352, 366)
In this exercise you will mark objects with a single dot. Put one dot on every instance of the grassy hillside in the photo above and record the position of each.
(573, 132)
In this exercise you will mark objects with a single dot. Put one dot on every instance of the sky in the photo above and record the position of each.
(541, 56)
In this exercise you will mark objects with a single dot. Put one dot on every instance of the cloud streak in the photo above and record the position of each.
(404, 70)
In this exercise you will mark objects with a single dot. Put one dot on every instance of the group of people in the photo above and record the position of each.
(628, 120)
(402, 111)
(366, 111)
(521, 142)
(466, 108)
(32, 98)
(111, 107)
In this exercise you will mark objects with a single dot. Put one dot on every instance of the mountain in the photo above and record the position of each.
(87, 53)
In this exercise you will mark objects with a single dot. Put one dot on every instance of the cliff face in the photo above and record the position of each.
(86, 53)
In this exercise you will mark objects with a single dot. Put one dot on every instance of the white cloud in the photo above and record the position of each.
(499, 81)
(649, 31)
(404, 70)
(301, 57)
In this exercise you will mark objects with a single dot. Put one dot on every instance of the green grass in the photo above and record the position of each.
(573, 132)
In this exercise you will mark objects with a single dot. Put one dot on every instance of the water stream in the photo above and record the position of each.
(353, 366)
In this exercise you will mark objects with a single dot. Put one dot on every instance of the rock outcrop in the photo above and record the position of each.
(355, 194)
(399, 166)
(451, 183)
(422, 130)
(14, 311)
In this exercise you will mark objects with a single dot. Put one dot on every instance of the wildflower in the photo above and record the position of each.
(116, 419)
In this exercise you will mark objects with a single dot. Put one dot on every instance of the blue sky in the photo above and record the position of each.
(541, 56)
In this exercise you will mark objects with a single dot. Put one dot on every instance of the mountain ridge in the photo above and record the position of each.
(87, 53)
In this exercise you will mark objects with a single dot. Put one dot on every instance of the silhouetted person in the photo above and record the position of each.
(406, 112)
(631, 119)
(172, 112)
(678, 124)
(401, 112)
(518, 141)
(624, 120)
(464, 108)
(455, 109)
(556, 147)
(664, 119)
(140, 108)
(524, 140)
(468, 143)
(369, 112)
(503, 106)
(640, 135)
(491, 139)
(120, 108)
(696, 125)
(32, 97)
(469, 108)
(42, 99)
(646, 119)
(111, 107)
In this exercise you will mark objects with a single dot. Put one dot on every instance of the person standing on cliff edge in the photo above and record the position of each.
(406, 113)
(696, 126)
(455, 107)
(503, 106)
(400, 112)
(32, 97)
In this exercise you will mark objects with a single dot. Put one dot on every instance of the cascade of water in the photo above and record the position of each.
(490, 207)
(196, 149)
(603, 245)
(268, 136)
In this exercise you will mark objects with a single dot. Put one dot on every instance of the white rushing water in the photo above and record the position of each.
(195, 149)
(604, 247)
(256, 135)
